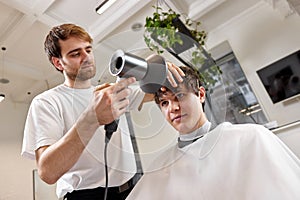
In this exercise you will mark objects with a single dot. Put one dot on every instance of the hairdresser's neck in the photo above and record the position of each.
(78, 84)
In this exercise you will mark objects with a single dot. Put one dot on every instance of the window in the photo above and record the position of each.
(232, 98)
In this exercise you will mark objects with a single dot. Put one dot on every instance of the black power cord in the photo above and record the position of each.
(109, 130)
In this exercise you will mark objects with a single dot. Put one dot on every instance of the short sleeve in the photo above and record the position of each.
(43, 126)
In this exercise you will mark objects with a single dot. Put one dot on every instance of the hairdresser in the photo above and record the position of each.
(64, 128)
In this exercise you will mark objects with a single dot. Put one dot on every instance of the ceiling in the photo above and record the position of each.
(24, 25)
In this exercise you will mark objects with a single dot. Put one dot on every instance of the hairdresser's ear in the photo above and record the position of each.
(202, 94)
(57, 64)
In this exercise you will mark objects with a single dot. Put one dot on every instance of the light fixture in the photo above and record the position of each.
(2, 97)
(137, 26)
(104, 6)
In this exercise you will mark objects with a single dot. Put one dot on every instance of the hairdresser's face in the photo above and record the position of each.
(183, 109)
(77, 61)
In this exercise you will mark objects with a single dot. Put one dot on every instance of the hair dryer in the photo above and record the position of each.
(150, 72)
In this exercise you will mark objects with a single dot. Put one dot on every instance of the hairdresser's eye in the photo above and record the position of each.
(75, 54)
(89, 50)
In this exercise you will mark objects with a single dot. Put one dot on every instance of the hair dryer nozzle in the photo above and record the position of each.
(151, 73)
(127, 65)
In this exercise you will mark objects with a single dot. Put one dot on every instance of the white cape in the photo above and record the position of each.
(231, 162)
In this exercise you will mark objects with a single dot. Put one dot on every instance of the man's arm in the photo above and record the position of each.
(108, 103)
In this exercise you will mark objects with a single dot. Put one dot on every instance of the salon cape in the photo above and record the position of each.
(234, 162)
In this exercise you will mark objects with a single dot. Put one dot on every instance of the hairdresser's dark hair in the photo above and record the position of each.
(63, 32)
(191, 81)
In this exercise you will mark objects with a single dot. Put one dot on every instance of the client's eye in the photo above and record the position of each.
(164, 103)
(180, 95)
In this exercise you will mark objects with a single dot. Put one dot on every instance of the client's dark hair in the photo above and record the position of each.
(191, 81)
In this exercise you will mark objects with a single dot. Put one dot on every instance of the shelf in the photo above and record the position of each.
(285, 126)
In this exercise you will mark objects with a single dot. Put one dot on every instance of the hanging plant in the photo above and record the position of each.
(165, 31)
(161, 32)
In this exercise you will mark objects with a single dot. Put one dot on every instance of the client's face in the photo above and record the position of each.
(183, 109)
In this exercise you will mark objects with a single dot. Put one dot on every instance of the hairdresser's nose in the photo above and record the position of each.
(85, 55)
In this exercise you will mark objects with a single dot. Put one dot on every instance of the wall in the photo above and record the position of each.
(289, 134)
(16, 172)
(258, 38)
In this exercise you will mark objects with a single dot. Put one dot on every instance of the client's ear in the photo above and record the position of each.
(202, 94)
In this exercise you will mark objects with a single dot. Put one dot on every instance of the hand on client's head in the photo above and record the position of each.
(174, 72)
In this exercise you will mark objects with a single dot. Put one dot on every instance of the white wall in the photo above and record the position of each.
(290, 135)
(259, 38)
(16, 172)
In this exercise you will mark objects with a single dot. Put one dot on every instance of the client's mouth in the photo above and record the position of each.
(178, 118)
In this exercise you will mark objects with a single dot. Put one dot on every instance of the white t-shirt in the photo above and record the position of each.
(231, 162)
(53, 113)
